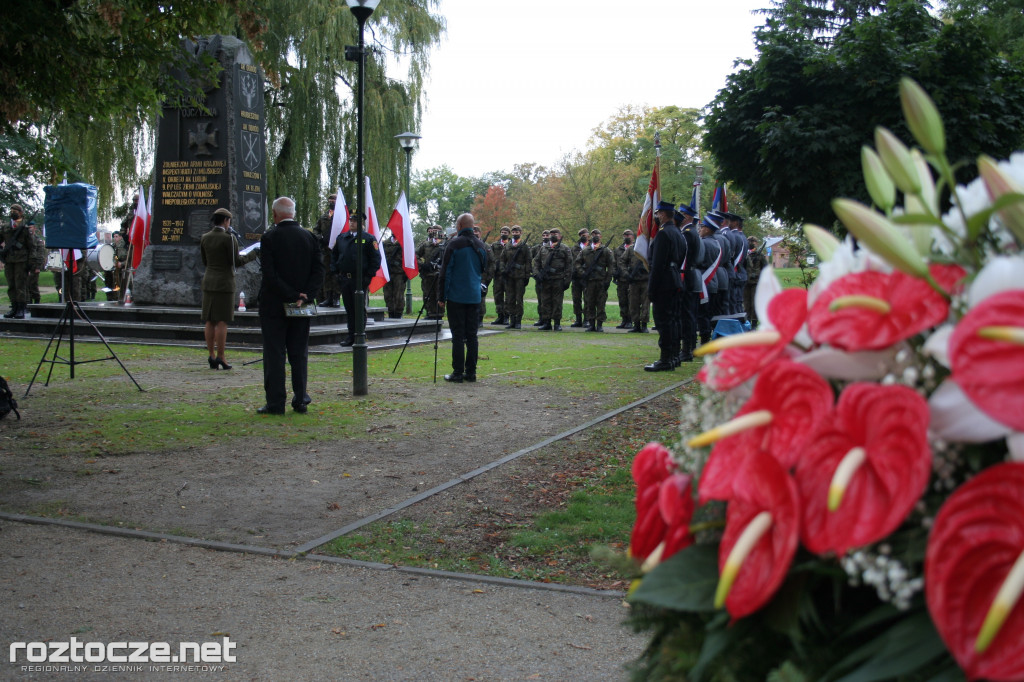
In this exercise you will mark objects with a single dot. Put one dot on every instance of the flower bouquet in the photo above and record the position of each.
(848, 500)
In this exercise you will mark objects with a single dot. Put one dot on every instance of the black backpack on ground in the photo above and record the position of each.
(7, 401)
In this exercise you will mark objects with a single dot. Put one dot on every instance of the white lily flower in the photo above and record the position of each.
(1004, 273)
(832, 363)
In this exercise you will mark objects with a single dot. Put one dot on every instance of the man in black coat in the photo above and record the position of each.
(293, 271)
(665, 287)
(691, 280)
(347, 251)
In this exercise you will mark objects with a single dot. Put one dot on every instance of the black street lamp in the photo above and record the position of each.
(361, 9)
(408, 142)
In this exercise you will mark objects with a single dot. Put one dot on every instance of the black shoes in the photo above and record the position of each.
(545, 326)
(300, 405)
(213, 363)
(222, 364)
(595, 327)
(347, 342)
(267, 409)
(455, 378)
(660, 366)
(558, 325)
(576, 323)
(470, 378)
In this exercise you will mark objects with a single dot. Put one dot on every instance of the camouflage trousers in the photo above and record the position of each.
(550, 298)
(428, 285)
(639, 305)
(594, 298)
(394, 295)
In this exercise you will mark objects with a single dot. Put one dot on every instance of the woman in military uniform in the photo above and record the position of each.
(219, 252)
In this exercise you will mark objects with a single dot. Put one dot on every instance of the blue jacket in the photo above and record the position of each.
(462, 265)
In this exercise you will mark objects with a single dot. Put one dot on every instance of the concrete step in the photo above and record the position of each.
(182, 326)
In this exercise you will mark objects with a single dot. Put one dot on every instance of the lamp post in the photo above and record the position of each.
(408, 142)
(361, 9)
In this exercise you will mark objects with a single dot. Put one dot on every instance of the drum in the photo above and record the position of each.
(101, 258)
(53, 261)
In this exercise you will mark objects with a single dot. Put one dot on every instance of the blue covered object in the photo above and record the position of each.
(728, 327)
(71, 216)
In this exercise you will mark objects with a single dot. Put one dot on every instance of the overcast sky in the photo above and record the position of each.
(520, 82)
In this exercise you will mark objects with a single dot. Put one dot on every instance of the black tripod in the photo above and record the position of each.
(437, 333)
(72, 309)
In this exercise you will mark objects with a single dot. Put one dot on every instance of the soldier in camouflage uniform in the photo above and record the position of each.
(583, 242)
(634, 273)
(621, 282)
(36, 263)
(16, 245)
(486, 277)
(516, 267)
(120, 266)
(595, 267)
(330, 293)
(756, 262)
(394, 289)
(553, 268)
(498, 281)
(545, 243)
(428, 258)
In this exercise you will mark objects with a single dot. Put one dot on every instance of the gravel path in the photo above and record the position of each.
(295, 620)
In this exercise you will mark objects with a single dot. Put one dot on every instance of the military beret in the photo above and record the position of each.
(222, 212)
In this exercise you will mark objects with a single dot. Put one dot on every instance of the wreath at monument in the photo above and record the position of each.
(847, 502)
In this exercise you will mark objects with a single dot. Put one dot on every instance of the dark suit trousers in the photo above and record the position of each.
(668, 317)
(462, 319)
(284, 337)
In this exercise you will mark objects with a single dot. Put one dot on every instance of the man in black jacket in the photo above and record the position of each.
(665, 287)
(293, 271)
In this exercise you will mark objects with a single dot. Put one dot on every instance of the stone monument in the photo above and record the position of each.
(209, 154)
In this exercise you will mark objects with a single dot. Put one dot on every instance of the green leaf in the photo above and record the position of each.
(916, 219)
(907, 646)
(686, 582)
(720, 636)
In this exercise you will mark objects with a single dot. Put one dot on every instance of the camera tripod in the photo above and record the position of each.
(72, 309)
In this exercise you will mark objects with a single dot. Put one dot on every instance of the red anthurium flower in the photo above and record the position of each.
(987, 355)
(789, 400)
(744, 355)
(974, 574)
(873, 310)
(652, 465)
(675, 501)
(761, 532)
(865, 468)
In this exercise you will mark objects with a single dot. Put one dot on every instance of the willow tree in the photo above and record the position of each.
(311, 126)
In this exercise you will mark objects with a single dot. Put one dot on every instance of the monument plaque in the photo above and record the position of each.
(210, 154)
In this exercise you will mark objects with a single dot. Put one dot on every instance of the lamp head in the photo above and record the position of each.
(407, 140)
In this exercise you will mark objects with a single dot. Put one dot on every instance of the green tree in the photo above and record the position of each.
(787, 129)
(114, 54)
(438, 197)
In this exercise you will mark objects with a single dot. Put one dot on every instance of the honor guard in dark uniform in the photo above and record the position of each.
(691, 279)
(665, 287)
(347, 251)
(428, 258)
(498, 280)
(582, 242)
(738, 272)
(516, 267)
(553, 268)
(329, 292)
(709, 265)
